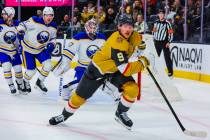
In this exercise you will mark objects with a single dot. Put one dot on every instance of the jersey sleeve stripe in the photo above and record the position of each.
(83, 63)
(69, 52)
(67, 56)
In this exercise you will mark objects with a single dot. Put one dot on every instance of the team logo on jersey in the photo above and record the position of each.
(91, 50)
(10, 37)
(43, 37)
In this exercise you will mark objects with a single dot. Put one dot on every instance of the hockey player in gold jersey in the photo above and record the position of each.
(111, 62)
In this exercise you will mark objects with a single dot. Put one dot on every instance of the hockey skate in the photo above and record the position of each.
(12, 89)
(60, 118)
(27, 87)
(21, 87)
(40, 86)
(123, 119)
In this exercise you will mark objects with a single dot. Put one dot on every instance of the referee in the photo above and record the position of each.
(163, 35)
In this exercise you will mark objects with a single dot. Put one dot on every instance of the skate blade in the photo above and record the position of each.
(37, 88)
(118, 120)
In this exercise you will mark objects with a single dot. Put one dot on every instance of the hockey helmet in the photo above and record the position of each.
(9, 11)
(125, 19)
(48, 11)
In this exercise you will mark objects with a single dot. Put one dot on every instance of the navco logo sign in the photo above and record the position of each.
(187, 58)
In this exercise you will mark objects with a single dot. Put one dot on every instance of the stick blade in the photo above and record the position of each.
(201, 134)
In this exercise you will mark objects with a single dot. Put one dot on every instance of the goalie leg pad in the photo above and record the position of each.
(62, 66)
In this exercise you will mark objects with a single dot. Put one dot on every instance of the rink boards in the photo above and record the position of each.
(190, 61)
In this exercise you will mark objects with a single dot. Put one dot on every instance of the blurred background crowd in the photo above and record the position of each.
(188, 17)
(108, 10)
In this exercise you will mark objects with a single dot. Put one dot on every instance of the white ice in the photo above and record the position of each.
(25, 117)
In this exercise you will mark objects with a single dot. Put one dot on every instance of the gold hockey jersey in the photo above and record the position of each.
(115, 53)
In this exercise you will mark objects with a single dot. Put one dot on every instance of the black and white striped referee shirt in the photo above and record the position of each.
(162, 31)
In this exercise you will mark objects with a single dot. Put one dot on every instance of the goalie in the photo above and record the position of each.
(111, 62)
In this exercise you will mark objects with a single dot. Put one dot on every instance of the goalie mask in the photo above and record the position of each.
(91, 27)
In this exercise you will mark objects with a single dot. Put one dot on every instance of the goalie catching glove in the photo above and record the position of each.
(62, 66)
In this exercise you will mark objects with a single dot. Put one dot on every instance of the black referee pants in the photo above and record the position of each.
(159, 46)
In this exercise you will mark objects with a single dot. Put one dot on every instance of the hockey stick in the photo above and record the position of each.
(61, 77)
(185, 131)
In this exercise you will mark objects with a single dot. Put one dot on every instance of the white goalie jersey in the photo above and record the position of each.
(37, 34)
(82, 45)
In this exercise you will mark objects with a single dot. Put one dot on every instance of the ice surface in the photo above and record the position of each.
(25, 117)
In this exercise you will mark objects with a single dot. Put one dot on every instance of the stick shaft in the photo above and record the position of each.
(167, 101)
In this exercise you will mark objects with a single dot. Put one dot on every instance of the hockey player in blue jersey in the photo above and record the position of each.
(84, 44)
(39, 39)
(9, 57)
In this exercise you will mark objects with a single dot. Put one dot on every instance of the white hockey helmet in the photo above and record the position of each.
(48, 11)
(10, 11)
(91, 26)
